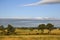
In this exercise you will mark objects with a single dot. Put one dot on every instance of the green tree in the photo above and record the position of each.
(50, 27)
(2, 29)
(42, 27)
(10, 29)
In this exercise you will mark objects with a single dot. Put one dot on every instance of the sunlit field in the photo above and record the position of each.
(25, 34)
(35, 31)
(31, 37)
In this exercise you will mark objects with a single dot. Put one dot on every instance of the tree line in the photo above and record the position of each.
(8, 30)
(11, 30)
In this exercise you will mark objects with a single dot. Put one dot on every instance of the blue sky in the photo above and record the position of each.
(15, 8)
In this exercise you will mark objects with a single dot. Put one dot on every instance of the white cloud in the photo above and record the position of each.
(44, 2)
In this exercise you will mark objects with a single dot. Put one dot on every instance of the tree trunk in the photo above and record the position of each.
(49, 31)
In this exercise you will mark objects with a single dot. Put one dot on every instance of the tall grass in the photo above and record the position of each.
(31, 37)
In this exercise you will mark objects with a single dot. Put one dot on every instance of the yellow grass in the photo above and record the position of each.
(26, 31)
(31, 37)
(56, 31)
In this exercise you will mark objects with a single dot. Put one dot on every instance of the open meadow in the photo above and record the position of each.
(25, 34)
(37, 32)
(31, 37)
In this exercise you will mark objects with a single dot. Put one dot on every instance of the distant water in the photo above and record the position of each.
(27, 22)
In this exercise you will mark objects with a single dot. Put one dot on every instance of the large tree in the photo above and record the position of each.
(50, 27)
(10, 29)
(42, 27)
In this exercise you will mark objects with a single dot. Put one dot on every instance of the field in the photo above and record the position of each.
(31, 37)
(25, 34)
(35, 31)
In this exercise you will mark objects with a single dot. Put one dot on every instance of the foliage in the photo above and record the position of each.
(10, 29)
(2, 29)
(49, 27)
(42, 27)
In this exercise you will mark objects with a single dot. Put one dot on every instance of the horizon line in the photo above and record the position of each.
(48, 18)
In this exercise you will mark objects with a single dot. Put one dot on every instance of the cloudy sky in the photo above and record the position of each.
(30, 8)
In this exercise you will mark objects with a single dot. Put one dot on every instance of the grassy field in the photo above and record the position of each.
(35, 31)
(31, 37)
(25, 34)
